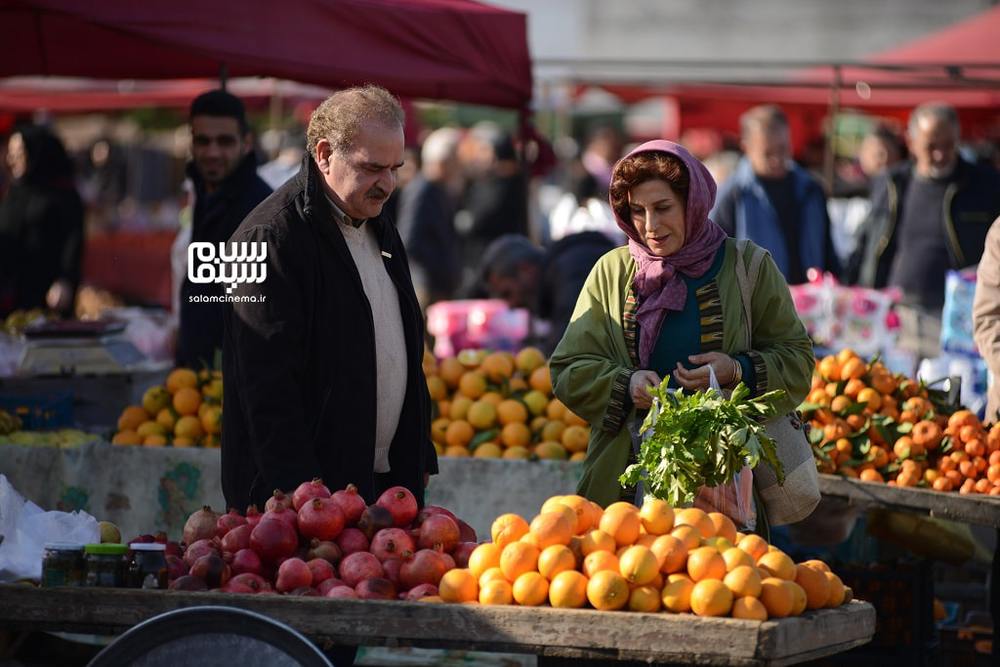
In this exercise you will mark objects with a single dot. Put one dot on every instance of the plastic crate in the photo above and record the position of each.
(902, 593)
(40, 411)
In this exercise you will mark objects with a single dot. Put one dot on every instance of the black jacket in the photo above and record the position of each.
(216, 217)
(41, 241)
(971, 205)
(301, 394)
(567, 264)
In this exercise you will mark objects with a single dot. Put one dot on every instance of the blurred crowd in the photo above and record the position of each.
(486, 211)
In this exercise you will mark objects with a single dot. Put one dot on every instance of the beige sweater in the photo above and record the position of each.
(390, 342)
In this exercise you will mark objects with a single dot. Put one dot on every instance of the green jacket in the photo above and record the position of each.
(593, 363)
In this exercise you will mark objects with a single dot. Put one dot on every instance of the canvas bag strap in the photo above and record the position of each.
(747, 278)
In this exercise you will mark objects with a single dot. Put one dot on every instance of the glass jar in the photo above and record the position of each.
(147, 568)
(62, 564)
(105, 565)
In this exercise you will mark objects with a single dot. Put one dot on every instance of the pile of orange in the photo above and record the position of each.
(650, 559)
(500, 405)
(871, 424)
(184, 412)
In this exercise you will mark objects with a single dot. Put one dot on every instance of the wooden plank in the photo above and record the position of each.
(821, 633)
(973, 508)
(542, 631)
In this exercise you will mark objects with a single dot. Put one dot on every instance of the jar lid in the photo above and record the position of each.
(63, 546)
(147, 546)
(106, 549)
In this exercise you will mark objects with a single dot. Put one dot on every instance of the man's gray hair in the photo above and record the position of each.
(767, 117)
(941, 111)
(340, 116)
(440, 145)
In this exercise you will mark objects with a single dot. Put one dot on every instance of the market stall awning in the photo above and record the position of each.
(436, 49)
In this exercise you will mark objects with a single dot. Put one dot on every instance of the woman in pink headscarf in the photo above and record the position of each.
(670, 303)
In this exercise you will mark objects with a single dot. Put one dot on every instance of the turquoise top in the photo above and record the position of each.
(680, 335)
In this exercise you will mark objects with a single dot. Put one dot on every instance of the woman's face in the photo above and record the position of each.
(17, 157)
(658, 215)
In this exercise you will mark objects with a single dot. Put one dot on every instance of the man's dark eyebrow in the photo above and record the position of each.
(380, 167)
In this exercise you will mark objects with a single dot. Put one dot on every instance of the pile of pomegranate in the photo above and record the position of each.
(318, 543)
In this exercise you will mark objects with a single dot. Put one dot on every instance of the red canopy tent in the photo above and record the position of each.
(439, 49)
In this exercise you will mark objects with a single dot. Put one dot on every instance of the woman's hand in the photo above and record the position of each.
(698, 378)
(638, 388)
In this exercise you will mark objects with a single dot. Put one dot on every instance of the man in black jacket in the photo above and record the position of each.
(223, 170)
(322, 358)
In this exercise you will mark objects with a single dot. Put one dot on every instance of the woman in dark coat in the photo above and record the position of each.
(41, 225)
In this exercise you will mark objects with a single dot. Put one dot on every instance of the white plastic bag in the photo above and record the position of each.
(25, 528)
(735, 499)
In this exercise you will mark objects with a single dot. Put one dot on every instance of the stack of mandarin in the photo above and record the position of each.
(186, 411)
(650, 559)
(871, 424)
(500, 405)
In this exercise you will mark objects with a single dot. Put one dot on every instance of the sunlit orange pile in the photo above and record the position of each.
(574, 555)
(185, 412)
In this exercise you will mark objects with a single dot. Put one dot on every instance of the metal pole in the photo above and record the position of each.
(830, 164)
(223, 76)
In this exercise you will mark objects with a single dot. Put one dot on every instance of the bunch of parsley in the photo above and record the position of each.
(702, 439)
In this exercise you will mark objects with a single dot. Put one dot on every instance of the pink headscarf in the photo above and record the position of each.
(657, 284)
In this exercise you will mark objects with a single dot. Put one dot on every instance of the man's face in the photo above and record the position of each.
(363, 178)
(517, 290)
(17, 157)
(934, 145)
(769, 151)
(217, 147)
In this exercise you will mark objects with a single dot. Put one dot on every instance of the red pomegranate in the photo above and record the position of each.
(391, 543)
(292, 574)
(421, 591)
(246, 583)
(351, 504)
(321, 518)
(462, 552)
(236, 539)
(321, 571)
(189, 583)
(173, 549)
(374, 519)
(286, 514)
(376, 589)
(201, 548)
(352, 540)
(448, 560)
(342, 592)
(360, 566)
(176, 567)
(328, 551)
(278, 499)
(307, 491)
(246, 561)
(325, 586)
(274, 539)
(212, 570)
(402, 505)
(438, 531)
(426, 567)
(391, 567)
(228, 521)
(253, 516)
(201, 525)
(466, 533)
(431, 510)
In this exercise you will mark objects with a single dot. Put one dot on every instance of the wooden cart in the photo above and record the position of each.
(577, 634)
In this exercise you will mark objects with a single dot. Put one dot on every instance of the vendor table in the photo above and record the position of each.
(578, 634)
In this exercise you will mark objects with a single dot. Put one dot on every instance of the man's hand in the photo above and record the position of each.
(698, 378)
(638, 388)
(60, 296)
